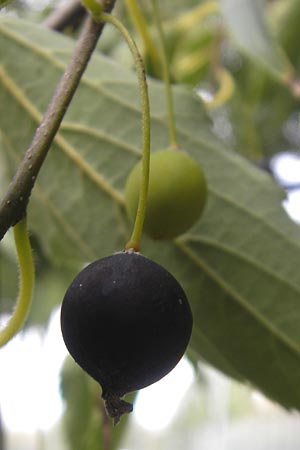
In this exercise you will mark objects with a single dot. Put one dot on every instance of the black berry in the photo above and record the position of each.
(127, 322)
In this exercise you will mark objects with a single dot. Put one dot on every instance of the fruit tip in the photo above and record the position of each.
(116, 407)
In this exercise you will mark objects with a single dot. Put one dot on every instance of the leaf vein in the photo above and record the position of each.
(242, 257)
(61, 142)
(238, 298)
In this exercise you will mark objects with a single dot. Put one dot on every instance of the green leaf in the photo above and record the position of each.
(248, 25)
(48, 292)
(49, 287)
(239, 264)
(287, 28)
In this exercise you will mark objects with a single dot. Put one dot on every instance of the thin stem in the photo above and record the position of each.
(142, 29)
(14, 203)
(134, 241)
(26, 268)
(166, 77)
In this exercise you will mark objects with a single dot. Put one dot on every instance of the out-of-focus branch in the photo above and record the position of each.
(68, 15)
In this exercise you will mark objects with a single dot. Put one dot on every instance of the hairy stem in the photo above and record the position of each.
(26, 268)
(13, 205)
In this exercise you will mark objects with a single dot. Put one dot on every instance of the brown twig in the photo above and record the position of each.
(13, 205)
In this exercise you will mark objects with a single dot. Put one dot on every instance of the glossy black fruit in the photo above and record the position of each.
(127, 322)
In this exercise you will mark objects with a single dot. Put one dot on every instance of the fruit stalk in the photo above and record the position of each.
(134, 241)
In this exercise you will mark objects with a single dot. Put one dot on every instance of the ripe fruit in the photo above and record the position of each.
(176, 197)
(127, 322)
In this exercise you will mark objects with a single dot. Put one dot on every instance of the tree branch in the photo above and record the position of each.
(70, 14)
(13, 205)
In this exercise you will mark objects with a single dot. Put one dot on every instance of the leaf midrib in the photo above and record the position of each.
(48, 56)
(54, 210)
(85, 129)
(186, 238)
(226, 362)
(237, 298)
(60, 141)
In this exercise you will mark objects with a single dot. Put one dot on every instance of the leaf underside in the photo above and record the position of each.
(239, 264)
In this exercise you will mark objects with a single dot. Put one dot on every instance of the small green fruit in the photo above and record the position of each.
(176, 197)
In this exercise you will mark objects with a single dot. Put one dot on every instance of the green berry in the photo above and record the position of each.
(176, 197)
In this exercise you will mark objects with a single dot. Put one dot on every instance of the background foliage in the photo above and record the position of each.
(239, 264)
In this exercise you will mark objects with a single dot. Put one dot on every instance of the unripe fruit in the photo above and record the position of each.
(176, 197)
(127, 322)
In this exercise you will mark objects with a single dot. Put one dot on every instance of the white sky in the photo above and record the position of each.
(29, 377)
(29, 384)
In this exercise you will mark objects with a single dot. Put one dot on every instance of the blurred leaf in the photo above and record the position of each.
(287, 29)
(191, 37)
(224, 92)
(192, 55)
(194, 16)
(48, 293)
(4, 3)
(246, 21)
(85, 422)
(239, 264)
